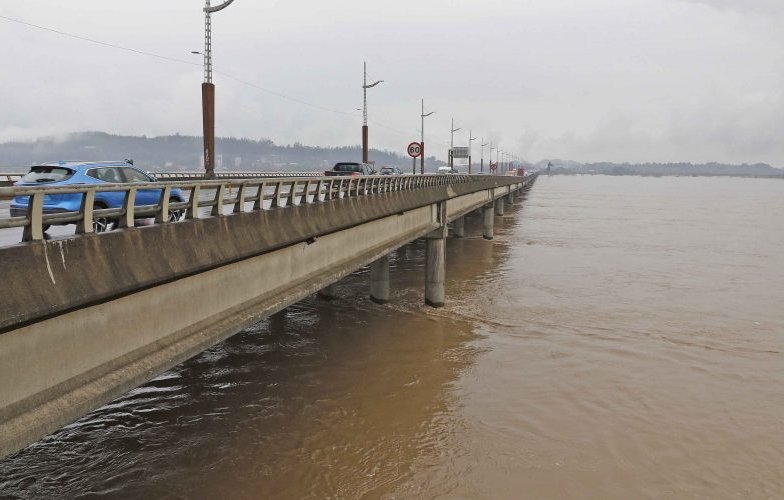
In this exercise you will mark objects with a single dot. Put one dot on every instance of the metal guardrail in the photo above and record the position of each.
(170, 176)
(280, 193)
(8, 179)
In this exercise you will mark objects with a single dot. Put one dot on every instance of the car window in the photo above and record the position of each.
(133, 175)
(106, 174)
(47, 174)
(348, 167)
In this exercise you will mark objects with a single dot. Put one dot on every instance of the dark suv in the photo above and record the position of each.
(351, 169)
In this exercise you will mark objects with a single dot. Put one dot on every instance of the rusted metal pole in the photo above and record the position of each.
(422, 159)
(208, 116)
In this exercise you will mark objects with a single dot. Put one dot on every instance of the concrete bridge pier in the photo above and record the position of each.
(435, 268)
(499, 207)
(488, 221)
(510, 198)
(458, 227)
(329, 292)
(379, 280)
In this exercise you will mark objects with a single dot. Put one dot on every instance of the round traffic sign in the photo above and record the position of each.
(414, 149)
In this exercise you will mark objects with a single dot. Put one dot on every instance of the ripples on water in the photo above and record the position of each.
(621, 338)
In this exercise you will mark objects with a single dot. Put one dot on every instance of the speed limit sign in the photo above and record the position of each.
(414, 150)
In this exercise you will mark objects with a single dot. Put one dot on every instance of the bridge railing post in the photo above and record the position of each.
(193, 203)
(33, 230)
(217, 202)
(163, 206)
(242, 193)
(276, 196)
(258, 200)
(306, 193)
(293, 194)
(85, 224)
(129, 206)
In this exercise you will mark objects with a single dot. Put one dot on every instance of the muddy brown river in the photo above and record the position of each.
(622, 337)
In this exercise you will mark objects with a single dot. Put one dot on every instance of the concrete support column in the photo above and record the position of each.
(499, 207)
(329, 292)
(510, 198)
(435, 268)
(379, 280)
(458, 227)
(488, 220)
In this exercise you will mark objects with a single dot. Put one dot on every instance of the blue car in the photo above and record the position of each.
(77, 173)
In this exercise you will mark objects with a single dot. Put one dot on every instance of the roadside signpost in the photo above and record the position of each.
(414, 151)
(461, 152)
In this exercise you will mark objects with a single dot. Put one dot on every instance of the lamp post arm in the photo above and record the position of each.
(212, 10)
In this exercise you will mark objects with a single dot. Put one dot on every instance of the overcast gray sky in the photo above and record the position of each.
(589, 80)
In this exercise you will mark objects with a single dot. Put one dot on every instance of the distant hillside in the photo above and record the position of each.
(659, 169)
(177, 152)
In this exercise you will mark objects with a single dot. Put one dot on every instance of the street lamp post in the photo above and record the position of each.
(482, 154)
(208, 91)
(491, 156)
(366, 86)
(422, 142)
(471, 139)
(452, 144)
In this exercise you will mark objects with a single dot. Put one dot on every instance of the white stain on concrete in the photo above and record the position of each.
(48, 266)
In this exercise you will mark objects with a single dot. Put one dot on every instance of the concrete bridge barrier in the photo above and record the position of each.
(86, 318)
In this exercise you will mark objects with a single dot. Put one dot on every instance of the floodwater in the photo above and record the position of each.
(622, 337)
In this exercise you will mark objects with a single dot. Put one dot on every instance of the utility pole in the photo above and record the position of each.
(471, 139)
(365, 86)
(208, 91)
(422, 142)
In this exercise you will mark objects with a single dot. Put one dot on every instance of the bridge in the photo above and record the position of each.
(85, 317)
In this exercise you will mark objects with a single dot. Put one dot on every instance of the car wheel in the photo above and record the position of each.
(102, 224)
(177, 214)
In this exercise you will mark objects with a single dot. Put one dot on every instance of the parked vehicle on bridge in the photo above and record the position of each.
(351, 169)
(70, 173)
(447, 170)
(390, 171)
